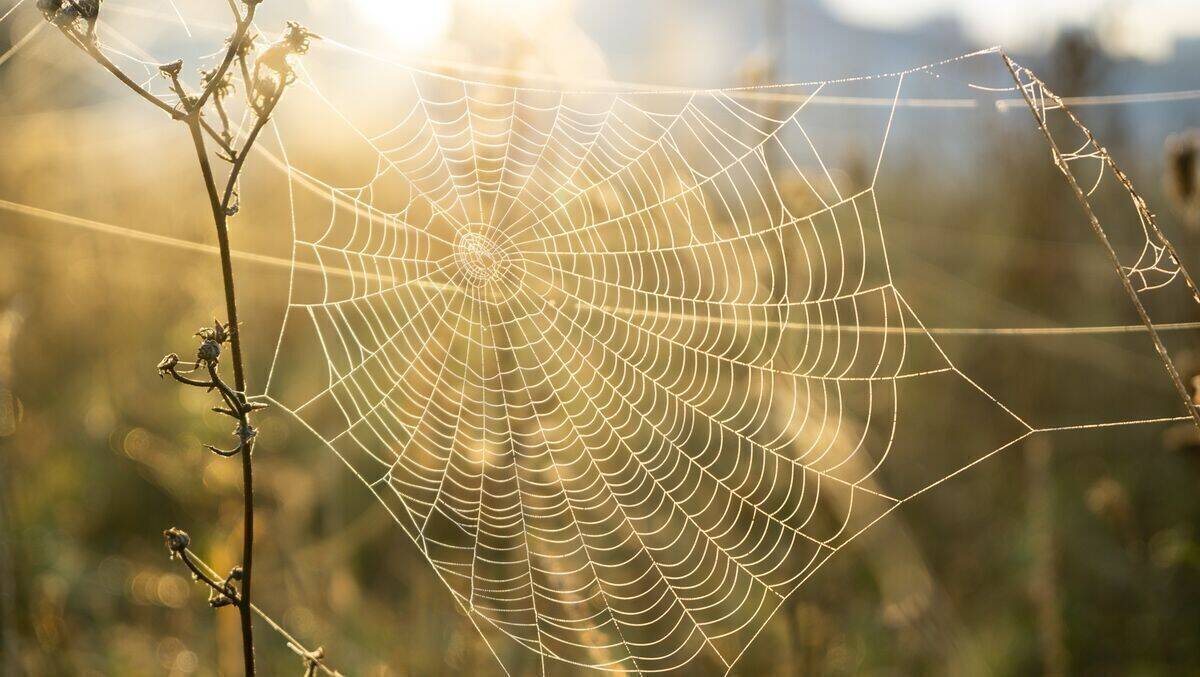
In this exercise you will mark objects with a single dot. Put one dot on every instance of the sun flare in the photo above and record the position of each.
(412, 24)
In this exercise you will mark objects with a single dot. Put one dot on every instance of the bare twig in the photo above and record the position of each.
(178, 543)
(244, 22)
(92, 50)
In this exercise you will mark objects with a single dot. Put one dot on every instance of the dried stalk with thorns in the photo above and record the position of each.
(265, 76)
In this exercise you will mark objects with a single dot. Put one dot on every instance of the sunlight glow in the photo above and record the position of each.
(412, 24)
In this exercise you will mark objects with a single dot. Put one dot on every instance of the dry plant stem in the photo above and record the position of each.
(220, 219)
(198, 128)
(222, 202)
(314, 656)
(99, 57)
(91, 50)
(314, 659)
(1094, 222)
(263, 117)
(223, 591)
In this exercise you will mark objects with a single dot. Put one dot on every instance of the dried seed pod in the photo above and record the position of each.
(209, 351)
(223, 88)
(167, 364)
(49, 8)
(177, 540)
(272, 70)
(218, 332)
(66, 13)
(88, 9)
(173, 69)
(65, 17)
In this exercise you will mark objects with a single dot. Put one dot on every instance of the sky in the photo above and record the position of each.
(682, 40)
(1146, 29)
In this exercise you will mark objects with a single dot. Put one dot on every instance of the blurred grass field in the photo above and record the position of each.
(1082, 552)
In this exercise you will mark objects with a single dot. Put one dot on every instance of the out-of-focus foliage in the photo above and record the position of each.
(1079, 555)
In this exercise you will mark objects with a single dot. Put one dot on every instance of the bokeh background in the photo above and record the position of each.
(1076, 553)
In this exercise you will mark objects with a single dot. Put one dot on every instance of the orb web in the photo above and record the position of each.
(627, 366)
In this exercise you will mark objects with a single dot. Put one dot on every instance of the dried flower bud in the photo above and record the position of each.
(218, 332)
(65, 17)
(297, 38)
(167, 364)
(221, 89)
(65, 13)
(245, 45)
(49, 8)
(272, 71)
(177, 540)
(88, 9)
(173, 69)
(209, 351)
(235, 574)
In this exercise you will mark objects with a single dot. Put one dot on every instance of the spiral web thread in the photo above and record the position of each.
(627, 367)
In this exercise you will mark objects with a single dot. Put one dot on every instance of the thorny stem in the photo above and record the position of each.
(221, 221)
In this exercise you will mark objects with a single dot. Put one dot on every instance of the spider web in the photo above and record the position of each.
(629, 366)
